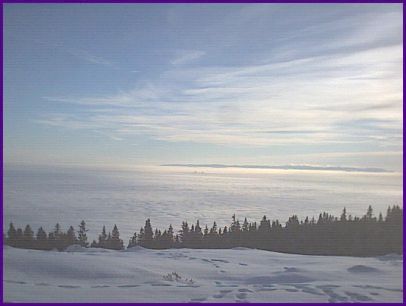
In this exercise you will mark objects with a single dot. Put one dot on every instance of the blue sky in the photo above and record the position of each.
(234, 84)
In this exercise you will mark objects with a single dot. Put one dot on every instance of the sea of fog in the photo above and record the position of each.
(43, 196)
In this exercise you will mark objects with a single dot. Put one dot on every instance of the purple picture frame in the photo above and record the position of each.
(186, 2)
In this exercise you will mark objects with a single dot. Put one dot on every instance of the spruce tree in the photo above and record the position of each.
(170, 237)
(369, 213)
(265, 225)
(141, 236)
(28, 236)
(148, 234)
(245, 225)
(198, 235)
(71, 236)
(12, 235)
(116, 242)
(57, 231)
(343, 217)
(102, 238)
(133, 241)
(184, 234)
(82, 237)
(41, 234)
(19, 237)
(51, 240)
(41, 241)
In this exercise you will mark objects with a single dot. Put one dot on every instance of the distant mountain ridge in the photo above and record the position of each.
(283, 167)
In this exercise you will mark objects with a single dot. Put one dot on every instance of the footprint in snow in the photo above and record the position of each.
(220, 260)
(241, 295)
(327, 286)
(358, 297)
(222, 294)
(265, 289)
(198, 299)
(333, 297)
(378, 287)
(244, 290)
(15, 282)
(307, 289)
(362, 269)
(291, 269)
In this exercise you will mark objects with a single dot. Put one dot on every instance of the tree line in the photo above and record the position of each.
(328, 235)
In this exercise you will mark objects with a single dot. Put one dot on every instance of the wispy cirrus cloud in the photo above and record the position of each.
(89, 57)
(186, 56)
(78, 53)
(243, 105)
(295, 94)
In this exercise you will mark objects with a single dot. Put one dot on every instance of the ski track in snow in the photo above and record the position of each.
(236, 275)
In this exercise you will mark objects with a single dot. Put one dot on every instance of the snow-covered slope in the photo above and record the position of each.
(236, 275)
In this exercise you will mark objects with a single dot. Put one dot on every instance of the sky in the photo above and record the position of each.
(150, 84)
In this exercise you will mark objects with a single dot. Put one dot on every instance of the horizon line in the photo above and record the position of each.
(283, 167)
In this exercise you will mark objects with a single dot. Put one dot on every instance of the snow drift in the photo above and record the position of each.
(186, 275)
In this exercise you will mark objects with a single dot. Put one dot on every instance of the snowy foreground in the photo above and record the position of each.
(236, 275)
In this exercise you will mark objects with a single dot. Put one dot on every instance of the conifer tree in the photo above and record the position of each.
(184, 234)
(148, 230)
(369, 214)
(41, 241)
(82, 237)
(94, 244)
(57, 231)
(265, 225)
(343, 217)
(102, 237)
(213, 229)
(12, 235)
(41, 234)
(116, 242)
(146, 240)
(245, 225)
(71, 236)
(141, 236)
(19, 237)
(170, 237)
(28, 234)
(198, 235)
(133, 241)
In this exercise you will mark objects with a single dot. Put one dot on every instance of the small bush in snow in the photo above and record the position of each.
(175, 277)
